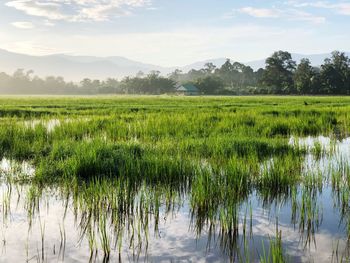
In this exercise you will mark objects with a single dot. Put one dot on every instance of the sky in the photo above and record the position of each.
(174, 32)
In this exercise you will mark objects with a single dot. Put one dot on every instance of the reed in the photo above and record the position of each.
(123, 161)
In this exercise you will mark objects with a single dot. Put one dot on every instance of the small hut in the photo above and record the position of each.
(187, 90)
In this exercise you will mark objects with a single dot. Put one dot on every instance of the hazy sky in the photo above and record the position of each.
(174, 32)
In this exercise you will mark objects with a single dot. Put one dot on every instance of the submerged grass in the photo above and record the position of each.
(123, 159)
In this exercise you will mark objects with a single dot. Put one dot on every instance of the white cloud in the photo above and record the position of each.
(48, 23)
(47, 9)
(342, 8)
(23, 25)
(288, 14)
(260, 12)
(297, 15)
(77, 10)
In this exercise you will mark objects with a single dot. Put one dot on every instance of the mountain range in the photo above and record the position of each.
(75, 68)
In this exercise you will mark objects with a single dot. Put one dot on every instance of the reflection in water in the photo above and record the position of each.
(120, 221)
(13, 169)
(50, 124)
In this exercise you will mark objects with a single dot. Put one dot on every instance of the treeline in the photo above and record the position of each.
(24, 82)
(281, 75)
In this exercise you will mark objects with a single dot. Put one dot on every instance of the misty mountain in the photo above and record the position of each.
(200, 64)
(76, 68)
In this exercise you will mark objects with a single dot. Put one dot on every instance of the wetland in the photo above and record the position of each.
(174, 179)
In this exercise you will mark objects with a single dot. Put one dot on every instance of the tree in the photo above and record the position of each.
(210, 85)
(278, 74)
(153, 83)
(225, 72)
(258, 75)
(110, 86)
(154, 73)
(248, 77)
(304, 76)
(335, 74)
(157, 84)
(20, 74)
(175, 75)
(140, 74)
(194, 74)
(209, 68)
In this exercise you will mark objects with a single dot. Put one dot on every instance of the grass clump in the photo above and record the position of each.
(129, 158)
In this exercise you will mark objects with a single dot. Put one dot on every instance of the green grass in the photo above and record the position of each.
(125, 157)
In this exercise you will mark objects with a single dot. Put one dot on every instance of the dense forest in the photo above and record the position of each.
(281, 75)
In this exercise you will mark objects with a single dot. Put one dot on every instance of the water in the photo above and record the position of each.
(15, 169)
(48, 225)
(22, 240)
(50, 124)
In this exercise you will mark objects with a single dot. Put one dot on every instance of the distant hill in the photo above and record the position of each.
(76, 68)
(200, 64)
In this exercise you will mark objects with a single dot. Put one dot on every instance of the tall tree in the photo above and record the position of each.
(209, 68)
(278, 74)
(210, 85)
(225, 72)
(175, 75)
(304, 76)
(335, 74)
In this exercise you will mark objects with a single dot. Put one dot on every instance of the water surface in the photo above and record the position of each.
(45, 224)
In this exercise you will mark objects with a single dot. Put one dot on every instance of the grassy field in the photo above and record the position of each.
(123, 159)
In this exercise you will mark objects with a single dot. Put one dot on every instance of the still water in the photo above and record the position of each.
(47, 227)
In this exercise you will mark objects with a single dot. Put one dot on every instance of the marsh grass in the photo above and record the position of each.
(275, 251)
(124, 162)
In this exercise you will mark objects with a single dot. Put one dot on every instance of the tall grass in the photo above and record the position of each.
(123, 160)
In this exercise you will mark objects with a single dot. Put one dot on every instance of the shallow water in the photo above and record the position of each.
(15, 169)
(50, 124)
(48, 227)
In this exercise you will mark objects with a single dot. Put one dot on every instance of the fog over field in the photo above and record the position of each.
(153, 46)
(76, 68)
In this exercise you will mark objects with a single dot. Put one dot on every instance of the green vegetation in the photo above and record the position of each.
(122, 160)
(281, 75)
